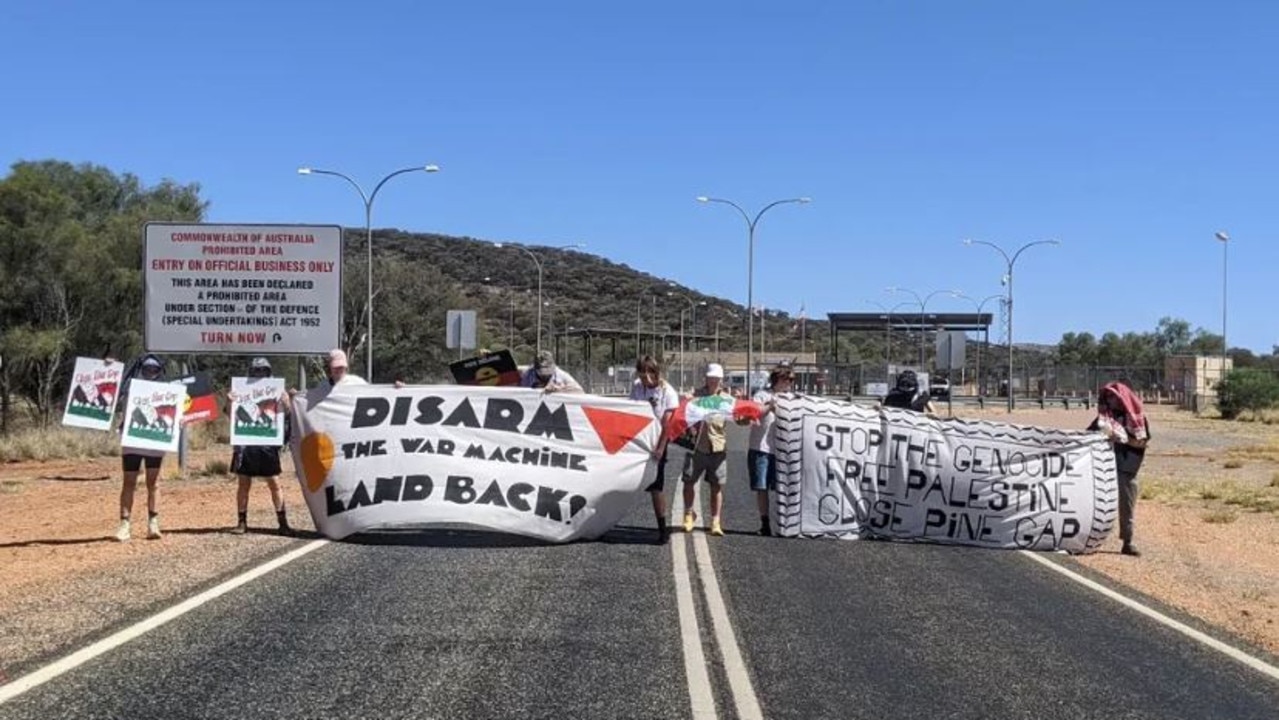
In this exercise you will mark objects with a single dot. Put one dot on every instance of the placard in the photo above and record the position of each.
(92, 395)
(153, 417)
(257, 416)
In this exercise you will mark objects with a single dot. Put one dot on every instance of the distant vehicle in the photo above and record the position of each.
(939, 388)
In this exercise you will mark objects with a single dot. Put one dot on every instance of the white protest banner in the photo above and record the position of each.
(243, 289)
(846, 470)
(554, 466)
(255, 411)
(153, 416)
(95, 386)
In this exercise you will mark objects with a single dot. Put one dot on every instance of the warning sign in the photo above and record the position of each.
(243, 289)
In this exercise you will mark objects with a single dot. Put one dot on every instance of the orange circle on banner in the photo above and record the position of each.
(317, 459)
(487, 376)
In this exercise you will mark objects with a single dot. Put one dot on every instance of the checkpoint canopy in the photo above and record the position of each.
(242, 289)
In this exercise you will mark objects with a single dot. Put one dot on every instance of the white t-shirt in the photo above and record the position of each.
(762, 434)
(662, 398)
(316, 395)
(560, 380)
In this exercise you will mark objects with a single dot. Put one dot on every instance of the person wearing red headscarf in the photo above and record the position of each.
(1121, 417)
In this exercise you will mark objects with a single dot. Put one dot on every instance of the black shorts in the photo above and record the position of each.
(659, 482)
(133, 463)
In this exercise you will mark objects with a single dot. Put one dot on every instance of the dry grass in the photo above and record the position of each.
(1265, 452)
(1259, 499)
(1274, 480)
(216, 467)
(57, 443)
(1232, 464)
(10, 486)
(1220, 516)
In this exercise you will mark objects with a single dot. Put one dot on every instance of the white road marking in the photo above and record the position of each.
(84, 655)
(739, 680)
(699, 681)
(1234, 653)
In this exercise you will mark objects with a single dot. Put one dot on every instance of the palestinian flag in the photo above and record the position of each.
(694, 410)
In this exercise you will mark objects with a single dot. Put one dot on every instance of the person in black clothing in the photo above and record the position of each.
(149, 367)
(260, 461)
(1121, 417)
(907, 396)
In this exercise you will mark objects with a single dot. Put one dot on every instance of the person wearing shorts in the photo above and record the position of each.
(259, 461)
(709, 457)
(652, 388)
(132, 461)
(761, 464)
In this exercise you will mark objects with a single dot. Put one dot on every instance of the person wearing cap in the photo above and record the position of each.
(652, 388)
(709, 456)
(546, 375)
(761, 465)
(336, 372)
(150, 368)
(906, 395)
(258, 461)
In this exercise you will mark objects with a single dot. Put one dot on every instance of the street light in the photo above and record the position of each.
(888, 320)
(1225, 349)
(750, 264)
(368, 232)
(537, 261)
(692, 311)
(923, 303)
(980, 305)
(1011, 261)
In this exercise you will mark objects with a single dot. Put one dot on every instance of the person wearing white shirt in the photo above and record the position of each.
(337, 373)
(761, 464)
(651, 388)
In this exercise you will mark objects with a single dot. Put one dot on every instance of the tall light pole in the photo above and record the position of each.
(923, 303)
(750, 264)
(1225, 349)
(980, 305)
(368, 233)
(1011, 261)
(888, 320)
(538, 262)
(510, 343)
(692, 312)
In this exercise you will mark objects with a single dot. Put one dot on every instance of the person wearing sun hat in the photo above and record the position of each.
(709, 456)
(149, 367)
(259, 461)
(336, 372)
(546, 375)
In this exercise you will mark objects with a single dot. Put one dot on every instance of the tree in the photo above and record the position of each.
(1172, 336)
(71, 270)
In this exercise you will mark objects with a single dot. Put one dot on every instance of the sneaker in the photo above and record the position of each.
(1130, 549)
(765, 528)
(690, 519)
(240, 528)
(153, 528)
(716, 529)
(124, 532)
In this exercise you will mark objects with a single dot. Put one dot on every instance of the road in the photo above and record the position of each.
(457, 624)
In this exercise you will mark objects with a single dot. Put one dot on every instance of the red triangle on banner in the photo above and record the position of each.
(616, 428)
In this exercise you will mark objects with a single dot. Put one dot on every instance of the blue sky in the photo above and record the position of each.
(1130, 131)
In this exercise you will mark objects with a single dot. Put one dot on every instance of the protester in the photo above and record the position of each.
(337, 373)
(907, 395)
(708, 457)
(547, 376)
(1121, 417)
(651, 387)
(761, 464)
(150, 368)
(259, 461)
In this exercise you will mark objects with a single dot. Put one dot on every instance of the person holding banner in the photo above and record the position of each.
(1122, 418)
(709, 457)
(258, 461)
(151, 368)
(906, 395)
(546, 376)
(760, 463)
(652, 388)
(336, 372)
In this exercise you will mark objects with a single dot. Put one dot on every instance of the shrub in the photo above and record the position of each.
(57, 443)
(1251, 389)
(1220, 517)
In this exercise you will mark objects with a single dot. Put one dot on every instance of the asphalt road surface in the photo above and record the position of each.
(457, 624)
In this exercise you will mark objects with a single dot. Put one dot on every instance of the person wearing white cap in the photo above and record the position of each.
(258, 461)
(709, 456)
(337, 372)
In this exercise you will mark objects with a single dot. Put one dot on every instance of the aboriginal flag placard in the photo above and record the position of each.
(497, 368)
